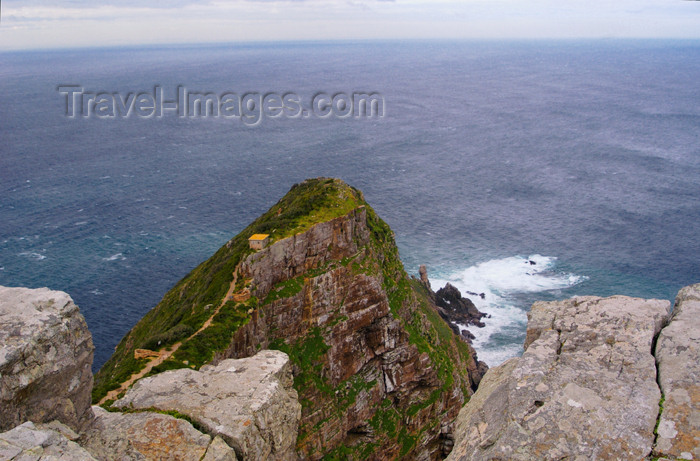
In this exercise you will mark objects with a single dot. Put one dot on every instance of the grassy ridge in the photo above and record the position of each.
(189, 304)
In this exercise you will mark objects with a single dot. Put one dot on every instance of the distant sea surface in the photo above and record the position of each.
(524, 171)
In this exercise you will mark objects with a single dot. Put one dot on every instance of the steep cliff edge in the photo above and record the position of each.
(678, 361)
(589, 385)
(379, 374)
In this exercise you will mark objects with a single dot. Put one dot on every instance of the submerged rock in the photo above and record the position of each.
(585, 387)
(45, 359)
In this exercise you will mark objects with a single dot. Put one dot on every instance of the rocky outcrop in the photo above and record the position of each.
(46, 354)
(45, 359)
(585, 387)
(249, 403)
(29, 442)
(149, 436)
(330, 240)
(678, 359)
(423, 276)
(456, 309)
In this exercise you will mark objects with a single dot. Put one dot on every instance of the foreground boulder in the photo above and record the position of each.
(249, 403)
(52, 442)
(585, 387)
(150, 436)
(678, 358)
(45, 359)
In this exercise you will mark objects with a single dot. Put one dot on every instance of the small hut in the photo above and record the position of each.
(259, 241)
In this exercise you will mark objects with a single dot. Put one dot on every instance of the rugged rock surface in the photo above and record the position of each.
(678, 359)
(359, 373)
(149, 436)
(330, 240)
(250, 403)
(585, 387)
(28, 442)
(459, 312)
(456, 309)
(45, 359)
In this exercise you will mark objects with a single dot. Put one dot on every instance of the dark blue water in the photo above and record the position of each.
(581, 156)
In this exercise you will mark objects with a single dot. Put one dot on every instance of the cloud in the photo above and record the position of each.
(34, 23)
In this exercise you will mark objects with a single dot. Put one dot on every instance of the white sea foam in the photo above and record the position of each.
(32, 255)
(115, 257)
(501, 280)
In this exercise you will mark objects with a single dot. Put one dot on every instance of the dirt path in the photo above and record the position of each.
(165, 354)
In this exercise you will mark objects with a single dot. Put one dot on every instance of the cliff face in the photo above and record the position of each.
(586, 386)
(373, 382)
(379, 374)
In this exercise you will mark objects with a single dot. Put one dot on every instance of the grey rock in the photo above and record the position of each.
(29, 442)
(46, 356)
(219, 451)
(249, 402)
(423, 273)
(143, 436)
(678, 359)
(584, 389)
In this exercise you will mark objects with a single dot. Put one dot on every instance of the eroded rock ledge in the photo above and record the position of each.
(601, 378)
(249, 402)
(586, 386)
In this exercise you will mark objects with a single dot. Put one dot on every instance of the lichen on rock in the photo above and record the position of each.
(585, 387)
(46, 357)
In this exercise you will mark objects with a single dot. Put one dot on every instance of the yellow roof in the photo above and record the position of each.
(259, 236)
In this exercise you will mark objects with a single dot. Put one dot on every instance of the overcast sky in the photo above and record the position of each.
(71, 23)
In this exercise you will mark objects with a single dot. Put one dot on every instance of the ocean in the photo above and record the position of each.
(521, 170)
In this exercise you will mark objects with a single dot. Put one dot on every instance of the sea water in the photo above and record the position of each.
(581, 157)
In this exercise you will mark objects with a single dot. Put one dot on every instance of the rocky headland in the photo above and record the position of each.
(320, 346)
